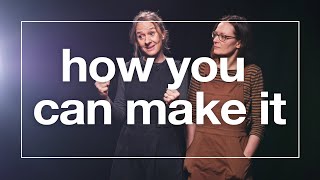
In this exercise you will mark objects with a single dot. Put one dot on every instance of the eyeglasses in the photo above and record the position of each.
(221, 37)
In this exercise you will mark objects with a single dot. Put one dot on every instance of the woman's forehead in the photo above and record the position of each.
(144, 26)
(225, 28)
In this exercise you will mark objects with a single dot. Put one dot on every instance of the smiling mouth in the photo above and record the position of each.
(150, 48)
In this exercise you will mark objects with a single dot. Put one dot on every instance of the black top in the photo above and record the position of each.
(154, 89)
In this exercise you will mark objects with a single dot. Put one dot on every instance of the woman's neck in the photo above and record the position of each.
(159, 58)
(231, 62)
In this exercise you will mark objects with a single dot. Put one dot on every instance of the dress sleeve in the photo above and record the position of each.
(119, 104)
(256, 88)
(194, 87)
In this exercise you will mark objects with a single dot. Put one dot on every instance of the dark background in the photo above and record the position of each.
(275, 51)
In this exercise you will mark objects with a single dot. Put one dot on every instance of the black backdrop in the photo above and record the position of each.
(276, 51)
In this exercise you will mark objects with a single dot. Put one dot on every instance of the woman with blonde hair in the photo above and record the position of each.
(149, 38)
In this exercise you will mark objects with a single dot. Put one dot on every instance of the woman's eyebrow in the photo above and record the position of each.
(151, 28)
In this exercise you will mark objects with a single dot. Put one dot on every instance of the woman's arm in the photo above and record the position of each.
(190, 128)
(119, 105)
(252, 146)
(257, 129)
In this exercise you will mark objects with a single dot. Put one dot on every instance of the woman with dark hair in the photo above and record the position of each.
(230, 40)
(149, 38)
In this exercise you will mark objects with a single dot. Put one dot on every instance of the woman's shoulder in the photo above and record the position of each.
(253, 69)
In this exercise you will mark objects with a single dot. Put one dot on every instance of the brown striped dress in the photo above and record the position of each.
(224, 140)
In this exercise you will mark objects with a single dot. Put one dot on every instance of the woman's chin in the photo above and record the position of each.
(218, 53)
(151, 53)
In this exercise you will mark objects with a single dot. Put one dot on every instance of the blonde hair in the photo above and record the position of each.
(148, 16)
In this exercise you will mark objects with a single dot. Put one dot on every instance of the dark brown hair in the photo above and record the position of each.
(242, 33)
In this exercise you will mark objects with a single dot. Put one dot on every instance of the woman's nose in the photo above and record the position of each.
(148, 40)
(215, 39)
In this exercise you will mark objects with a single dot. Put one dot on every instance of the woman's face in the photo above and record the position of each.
(148, 38)
(229, 44)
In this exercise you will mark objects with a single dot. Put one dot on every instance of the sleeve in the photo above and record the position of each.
(257, 87)
(194, 87)
(194, 84)
(119, 104)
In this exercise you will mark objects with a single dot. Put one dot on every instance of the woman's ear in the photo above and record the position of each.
(164, 35)
(238, 45)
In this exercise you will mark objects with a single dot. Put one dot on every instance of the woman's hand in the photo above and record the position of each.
(252, 146)
(103, 88)
(171, 95)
